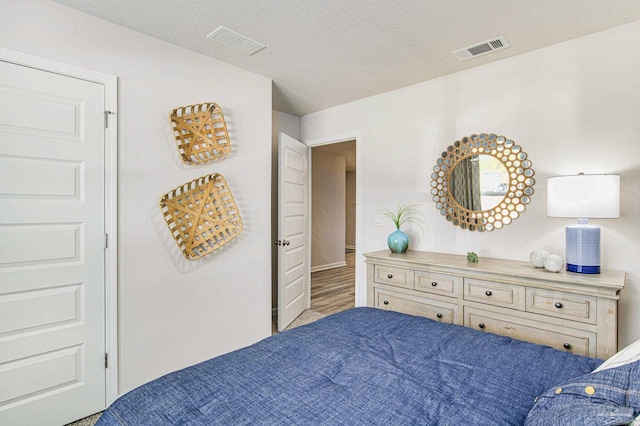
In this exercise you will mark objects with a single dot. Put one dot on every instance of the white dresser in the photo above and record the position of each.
(572, 312)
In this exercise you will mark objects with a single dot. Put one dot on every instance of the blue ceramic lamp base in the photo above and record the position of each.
(583, 248)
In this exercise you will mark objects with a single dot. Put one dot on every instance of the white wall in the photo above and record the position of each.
(573, 107)
(328, 188)
(350, 211)
(172, 313)
(285, 123)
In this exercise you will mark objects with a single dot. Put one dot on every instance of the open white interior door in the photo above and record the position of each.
(294, 288)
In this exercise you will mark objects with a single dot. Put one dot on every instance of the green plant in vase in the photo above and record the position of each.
(398, 241)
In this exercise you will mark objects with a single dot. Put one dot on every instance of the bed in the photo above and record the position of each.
(370, 366)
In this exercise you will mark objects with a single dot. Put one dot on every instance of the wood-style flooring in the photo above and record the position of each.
(334, 290)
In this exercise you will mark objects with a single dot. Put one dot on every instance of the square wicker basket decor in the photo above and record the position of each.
(200, 132)
(202, 215)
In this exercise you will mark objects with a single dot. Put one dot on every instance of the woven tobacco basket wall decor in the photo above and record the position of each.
(200, 132)
(202, 215)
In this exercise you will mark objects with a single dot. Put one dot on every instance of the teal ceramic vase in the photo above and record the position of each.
(398, 241)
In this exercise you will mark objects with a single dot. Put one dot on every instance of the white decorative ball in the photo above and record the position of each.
(537, 258)
(553, 263)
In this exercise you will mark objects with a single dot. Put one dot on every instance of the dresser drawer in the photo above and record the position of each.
(394, 276)
(562, 305)
(506, 295)
(432, 282)
(579, 342)
(435, 310)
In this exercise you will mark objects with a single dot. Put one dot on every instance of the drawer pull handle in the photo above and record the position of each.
(567, 346)
(390, 276)
(488, 293)
(481, 325)
(433, 283)
(558, 305)
(439, 315)
(386, 302)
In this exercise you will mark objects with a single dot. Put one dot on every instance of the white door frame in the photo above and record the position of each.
(111, 197)
(361, 286)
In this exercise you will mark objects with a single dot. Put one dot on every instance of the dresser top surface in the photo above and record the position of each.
(512, 268)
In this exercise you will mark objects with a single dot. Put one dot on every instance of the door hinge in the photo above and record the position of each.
(106, 360)
(106, 241)
(106, 118)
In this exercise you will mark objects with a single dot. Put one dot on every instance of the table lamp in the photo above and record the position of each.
(583, 196)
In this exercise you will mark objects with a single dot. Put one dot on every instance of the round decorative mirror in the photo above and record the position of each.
(482, 182)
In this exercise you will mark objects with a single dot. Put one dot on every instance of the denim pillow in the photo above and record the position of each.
(607, 397)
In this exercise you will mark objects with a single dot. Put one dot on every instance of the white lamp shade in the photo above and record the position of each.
(584, 196)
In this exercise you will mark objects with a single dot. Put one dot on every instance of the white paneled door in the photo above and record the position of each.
(52, 239)
(294, 287)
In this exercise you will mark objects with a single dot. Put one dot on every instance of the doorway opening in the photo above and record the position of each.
(333, 230)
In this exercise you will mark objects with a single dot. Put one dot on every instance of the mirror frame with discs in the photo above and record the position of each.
(520, 182)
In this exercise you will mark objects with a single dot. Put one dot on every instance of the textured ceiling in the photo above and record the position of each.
(328, 52)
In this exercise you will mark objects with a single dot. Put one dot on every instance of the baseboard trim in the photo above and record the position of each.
(328, 266)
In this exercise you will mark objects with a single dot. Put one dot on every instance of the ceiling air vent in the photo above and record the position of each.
(236, 41)
(483, 48)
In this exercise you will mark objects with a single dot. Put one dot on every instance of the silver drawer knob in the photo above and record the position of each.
(488, 293)
(481, 325)
(389, 276)
(567, 346)
(433, 283)
(558, 305)
(386, 302)
(439, 315)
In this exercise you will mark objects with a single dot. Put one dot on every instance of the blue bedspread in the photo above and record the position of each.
(362, 366)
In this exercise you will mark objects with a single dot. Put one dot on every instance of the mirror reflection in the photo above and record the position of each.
(479, 182)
